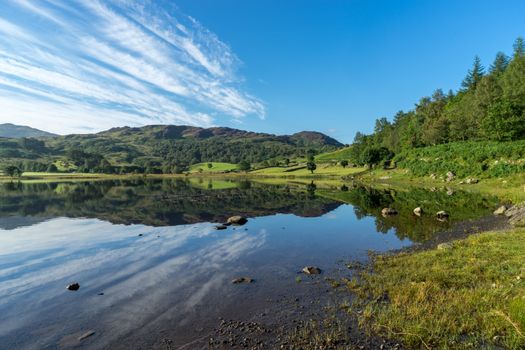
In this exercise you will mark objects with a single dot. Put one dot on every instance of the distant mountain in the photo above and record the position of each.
(18, 131)
(162, 148)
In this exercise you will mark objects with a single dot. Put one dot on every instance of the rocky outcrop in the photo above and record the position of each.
(516, 215)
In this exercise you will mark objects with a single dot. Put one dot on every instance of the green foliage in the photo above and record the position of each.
(471, 158)
(488, 107)
(344, 163)
(311, 166)
(244, 166)
(12, 171)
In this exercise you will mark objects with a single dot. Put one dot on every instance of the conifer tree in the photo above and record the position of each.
(500, 63)
(474, 75)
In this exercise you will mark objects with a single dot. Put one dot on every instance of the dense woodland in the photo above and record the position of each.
(489, 106)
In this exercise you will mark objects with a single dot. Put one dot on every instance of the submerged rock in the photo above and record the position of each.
(240, 280)
(388, 211)
(501, 210)
(311, 270)
(86, 335)
(221, 227)
(73, 286)
(237, 220)
(418, 211)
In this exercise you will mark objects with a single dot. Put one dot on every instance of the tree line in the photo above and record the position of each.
(490, 105)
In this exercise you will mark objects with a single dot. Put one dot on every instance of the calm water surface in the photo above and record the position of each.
(151, 265)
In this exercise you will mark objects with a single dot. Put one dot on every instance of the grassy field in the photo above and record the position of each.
(216, 167)
(301, 171)
(339, 155)
(469, 296)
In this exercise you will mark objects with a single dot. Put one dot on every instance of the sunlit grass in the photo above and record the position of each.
(215, 167)
(301, 171)
(469, 296)
(340, 154)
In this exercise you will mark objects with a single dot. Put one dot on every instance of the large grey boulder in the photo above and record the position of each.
(516, 215)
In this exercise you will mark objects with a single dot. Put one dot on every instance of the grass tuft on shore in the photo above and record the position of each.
(468, 297)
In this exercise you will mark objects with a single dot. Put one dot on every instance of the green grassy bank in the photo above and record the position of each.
(470, 296)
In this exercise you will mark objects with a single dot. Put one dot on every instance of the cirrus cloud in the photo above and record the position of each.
(87, 65)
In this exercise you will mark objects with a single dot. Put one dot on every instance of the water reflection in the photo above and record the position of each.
(149, 247)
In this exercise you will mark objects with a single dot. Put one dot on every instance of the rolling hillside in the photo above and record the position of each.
(18, 131)
(157, 148)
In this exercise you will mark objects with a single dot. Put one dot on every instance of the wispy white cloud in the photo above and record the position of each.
(88, 65)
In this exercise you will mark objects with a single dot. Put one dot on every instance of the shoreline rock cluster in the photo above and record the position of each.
(515, 214)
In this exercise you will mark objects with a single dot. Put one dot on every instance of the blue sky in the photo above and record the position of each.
(271, 66)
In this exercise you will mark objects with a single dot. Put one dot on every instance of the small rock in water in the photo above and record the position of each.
(501, 210)
(237, 220)
(388, 212)
(445, 246)
(221, 227)
(101, 293)
(73, 286)
(242, 280)
(86, 335)
(311, 270)
(140, 235)
(418, 211)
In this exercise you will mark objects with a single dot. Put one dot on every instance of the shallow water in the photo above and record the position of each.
(151, 265)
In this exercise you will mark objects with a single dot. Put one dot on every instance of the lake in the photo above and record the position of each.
(155, 273)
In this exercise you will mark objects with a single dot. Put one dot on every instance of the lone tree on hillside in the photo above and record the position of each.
(12, 171)
(244, 166)
(310, 164)
(344, 163)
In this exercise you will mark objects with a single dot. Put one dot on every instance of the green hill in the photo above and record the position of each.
(18, 131)
(156, 149)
